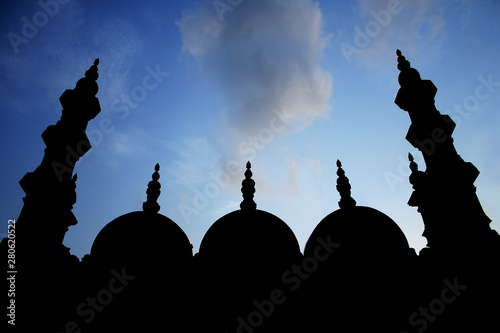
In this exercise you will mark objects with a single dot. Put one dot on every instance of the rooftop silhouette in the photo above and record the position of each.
(357, 272)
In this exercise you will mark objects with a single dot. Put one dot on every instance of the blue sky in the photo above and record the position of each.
(202, 87)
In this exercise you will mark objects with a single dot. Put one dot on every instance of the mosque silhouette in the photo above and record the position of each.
(357, 272)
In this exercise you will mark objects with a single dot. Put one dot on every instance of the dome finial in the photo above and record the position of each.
(344, 188)
(403, 64)
(87, 85)
(248, 189)
(153, 192)
(91, 73)
(415, 176)
(413, 164)
(408, 75)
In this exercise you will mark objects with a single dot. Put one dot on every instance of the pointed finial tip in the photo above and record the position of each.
(398, 52)
(248, 190)
(413, 164)
(344, 188)
(153, 192)
(92, 74)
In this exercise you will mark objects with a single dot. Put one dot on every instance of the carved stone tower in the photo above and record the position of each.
(444, 193)
(45, 266)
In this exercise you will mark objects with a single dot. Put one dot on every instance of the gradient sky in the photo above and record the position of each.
(203, 86)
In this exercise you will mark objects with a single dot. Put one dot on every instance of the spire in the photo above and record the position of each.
(81, 104)
(344, 188)
(403, 64)
(248, 189)
(408, 75)
(153, 192)
(91, 73)
(413, 164)
(416, 177)
(87, 85)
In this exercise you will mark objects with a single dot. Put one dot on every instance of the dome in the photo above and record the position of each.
(142, 237)
(247, 234)
(364, 269)
(139, 237)
(242, 257)
(360, 232)
(364, 262)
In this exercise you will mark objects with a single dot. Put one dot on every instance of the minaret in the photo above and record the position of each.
(46, 271)
(445, 193)
(50, 189)
(248, 190)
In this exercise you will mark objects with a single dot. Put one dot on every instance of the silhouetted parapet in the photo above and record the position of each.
(153, 192)
(344, 188)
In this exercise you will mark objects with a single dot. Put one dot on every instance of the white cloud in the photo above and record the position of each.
(262, 55)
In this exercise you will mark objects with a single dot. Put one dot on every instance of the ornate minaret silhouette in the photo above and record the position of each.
(153, 192)
(445, 193)
(50, 189)
(248, 190)
(46, 271)
(344, 188)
